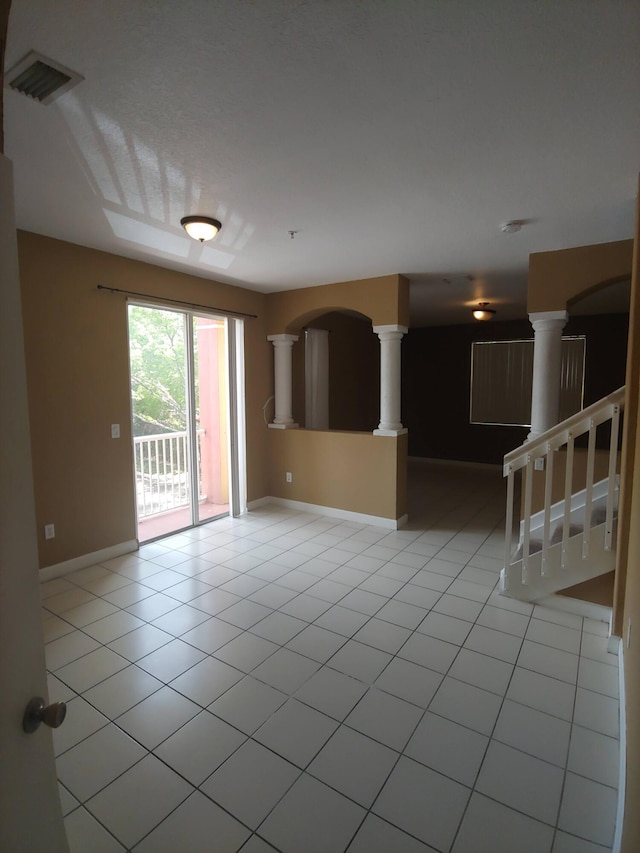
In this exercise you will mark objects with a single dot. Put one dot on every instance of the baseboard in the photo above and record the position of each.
(622, 777)
(457, 463)
(332, 512)
(86, 560)
(598, 612)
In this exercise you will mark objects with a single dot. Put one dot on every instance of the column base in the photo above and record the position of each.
(283, 426)
(402, 431)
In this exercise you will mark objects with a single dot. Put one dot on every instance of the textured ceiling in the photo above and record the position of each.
(392, 135)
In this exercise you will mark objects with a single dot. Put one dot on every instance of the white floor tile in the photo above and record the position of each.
(377, 836)
(384, 718)
(312, 816)
(422, 803)
(200, 746)
(81, 721)
(163, 791)
(317, 643)
(206, 681)
(363, 601)
(89, 670)
(598, 712)
(534, 732)
(409, 681)
(403, 614)
(332, 692)
(496, 644)
(483, 671)
(251, 782)
(468, 705)
(140, 642)
(461, 608)
(595, 756)
(305, 607)
(285, 670)
(588, 810)
(211, 635)
(95, 762)
(122, 691)
(447, 747)
(246, 651)
(599, 677)
(248, 704)
(596, 647)
(354, 764)
(170, 660)
(565, 843)
(153, 606)
(157, 717)
(420, 596)
(382, 635)
(542, 692)
(68, 648)
(521, 782)
(490, 827)
(85, 833)
(360, 661)
(504, 620)
(341, 620)
(444, 627)
(558, 636)
(279, 628)
(181, 619)
(53, 627)
(429, 651)
(65, 601)
(549, 661)
(296, 732)
(114, 626)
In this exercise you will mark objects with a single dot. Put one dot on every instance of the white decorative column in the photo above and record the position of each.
(545, 390)
(282, 362)
(390, 375)
(316, 378)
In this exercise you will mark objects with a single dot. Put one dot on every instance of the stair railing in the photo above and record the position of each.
(526, 459)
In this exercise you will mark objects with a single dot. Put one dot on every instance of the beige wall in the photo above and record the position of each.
(557, 278)
(384, 300)
(78, 380)
(627, 592)
(354, 471)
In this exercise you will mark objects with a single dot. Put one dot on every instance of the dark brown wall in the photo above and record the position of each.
(436, 383)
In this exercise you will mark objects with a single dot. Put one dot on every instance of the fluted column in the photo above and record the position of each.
(390, 376)
(282, 363)
(545, 390)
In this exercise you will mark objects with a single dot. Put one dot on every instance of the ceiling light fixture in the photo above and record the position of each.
(511, 227)
(482, 312)
(201, 227)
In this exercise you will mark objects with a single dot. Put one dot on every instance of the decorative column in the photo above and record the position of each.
(316, 378)
(390, 340)
(545, 390)
(282, 362)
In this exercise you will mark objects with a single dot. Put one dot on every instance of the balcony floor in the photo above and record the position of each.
(165, 523)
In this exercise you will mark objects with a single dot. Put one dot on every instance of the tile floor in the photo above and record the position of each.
(285, 681)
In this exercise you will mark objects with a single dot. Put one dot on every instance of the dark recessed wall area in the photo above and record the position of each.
(436, 364)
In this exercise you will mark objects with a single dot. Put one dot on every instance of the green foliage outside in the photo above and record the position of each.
(157, 354)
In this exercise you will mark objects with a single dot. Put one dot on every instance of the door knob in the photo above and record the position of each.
(37, 712)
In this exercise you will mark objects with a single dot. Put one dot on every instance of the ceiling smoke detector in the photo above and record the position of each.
(511, 227)
(41, 78)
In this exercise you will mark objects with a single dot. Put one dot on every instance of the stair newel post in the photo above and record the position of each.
(568, 487)
(528, 483)
(508, 533)
(588, 501)
(548, 483)
(613, 465)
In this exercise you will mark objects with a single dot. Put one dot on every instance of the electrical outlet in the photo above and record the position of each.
(49, 531)
(115, 430)
(289, 476)
(539, 463)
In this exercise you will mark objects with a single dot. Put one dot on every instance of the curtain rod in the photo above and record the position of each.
(224, 311)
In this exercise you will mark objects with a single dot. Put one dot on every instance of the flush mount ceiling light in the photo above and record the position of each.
(201, 227)
(482, 312)
(512, 227)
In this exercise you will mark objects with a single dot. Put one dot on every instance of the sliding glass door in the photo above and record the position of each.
(183, 419)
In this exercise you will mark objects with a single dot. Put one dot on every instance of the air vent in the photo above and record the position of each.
(41, 78)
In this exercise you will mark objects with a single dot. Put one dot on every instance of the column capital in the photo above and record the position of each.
(379, 330)
(547, 320)
(282, 339)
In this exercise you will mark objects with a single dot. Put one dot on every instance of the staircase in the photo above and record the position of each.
(572, 537)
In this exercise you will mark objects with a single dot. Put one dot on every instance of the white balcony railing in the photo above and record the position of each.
(162, 471)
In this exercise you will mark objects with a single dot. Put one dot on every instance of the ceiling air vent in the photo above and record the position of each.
(41, 78)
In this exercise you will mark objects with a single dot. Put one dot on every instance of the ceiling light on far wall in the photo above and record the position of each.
(201, 227)
(483, 312)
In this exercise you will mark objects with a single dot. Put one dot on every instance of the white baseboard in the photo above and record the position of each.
(333, 512)
(457, 463)
(622, 777)
(86, 560)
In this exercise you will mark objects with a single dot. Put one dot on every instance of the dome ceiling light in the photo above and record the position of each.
(483, 312)
(201, 227)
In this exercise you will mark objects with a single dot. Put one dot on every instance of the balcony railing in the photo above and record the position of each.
(162, 471)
